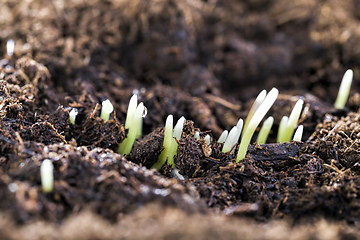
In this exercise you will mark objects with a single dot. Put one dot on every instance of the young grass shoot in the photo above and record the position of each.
(344, 90)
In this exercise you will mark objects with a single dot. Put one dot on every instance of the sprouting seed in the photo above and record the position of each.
(255, 121)
(207, 139)
(298, 133)
(223, 136)
(47, 176)
(10, 46)
(106, 109)
(72, 115)
(197, 135)
(265, 130)
(231, 140)
(344, 90)
(259, 99)
(292, 121)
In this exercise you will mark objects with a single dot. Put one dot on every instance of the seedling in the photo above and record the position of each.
(292, 121)
(344, 90)
(10, 46)
(298, 133)
(282, 128)
(255, 121)
(106, 109)
(223, 136)
(207, 139)
(72, 115)
(132, 123)
(197, 135)
(170, 142)
(265, 130)
(167, 142)
(47, 176)
(231, 140)
(259, 99)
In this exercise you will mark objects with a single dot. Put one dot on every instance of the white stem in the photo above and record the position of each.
(72, 115)
(230, 140)
(47, 176)
(167, 142)
(10, 46)
(298, 134)
(265, 130)
(106, 109)
(293, 119)
(131, 111)
(255, 121)
(223, 136)
(207, 139)
(282, 129)
(259, 99)
(344, 90)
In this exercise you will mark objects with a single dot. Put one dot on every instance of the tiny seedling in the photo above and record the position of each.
(292, 121)
(72, 115)
(255, 121)
(132, 123)
(207, 139)
(259, 99)
(167, 142)
(47, 176)
(106, 109)
(298, 133)
(282, 128)
(170, 142)
(197, 135)
(223, 136)
(344, 90)
(10, 46)
(265, 130)
(231, 140)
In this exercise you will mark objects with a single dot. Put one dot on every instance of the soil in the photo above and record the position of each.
(206, 61)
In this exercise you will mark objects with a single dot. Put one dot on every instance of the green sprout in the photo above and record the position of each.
(207, 139)
(259, 99)
(223, 136)
(282, 128)
(47, 176)
(231, 140)
(298, 133)
(106, 109)
(291, 122)
(265, 130)
(197, 135)
(72, 115)
(344, 90)
(132, 123)
(259, 114)
(170, 142)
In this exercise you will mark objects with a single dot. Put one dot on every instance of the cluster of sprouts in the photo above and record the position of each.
(171, 136)
(133, 124)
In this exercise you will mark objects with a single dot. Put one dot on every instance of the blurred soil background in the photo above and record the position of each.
(205, 60)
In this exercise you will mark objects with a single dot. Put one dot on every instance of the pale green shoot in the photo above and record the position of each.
(344, 90)
(255, 121)
(265, 130)
(282, 129)
(231, 140)
(106, 109)
(72, 115)
(47, 176)
(167, 142)
(207, 139)
(126, 146)
(259, 99)
(197, 135)
(177, 135)
(131, 111)
(298, 133)
(293, 119)
(223, 136)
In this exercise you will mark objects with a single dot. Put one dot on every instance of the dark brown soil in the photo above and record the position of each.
(206, 61)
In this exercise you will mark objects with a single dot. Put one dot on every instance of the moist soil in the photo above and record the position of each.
(206, 61)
